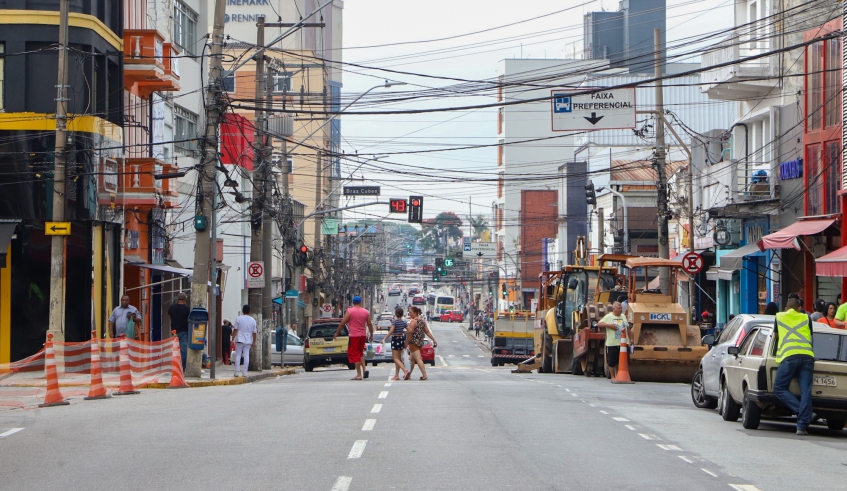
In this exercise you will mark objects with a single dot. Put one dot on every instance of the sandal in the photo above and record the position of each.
(395, 378)
(424, 378)
(367, 374)
(355, 378)
(408, 376)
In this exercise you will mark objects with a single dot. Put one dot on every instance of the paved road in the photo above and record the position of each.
(471, 426)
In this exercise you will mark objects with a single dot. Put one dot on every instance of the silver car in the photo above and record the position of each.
(381, 350)
(706, 386)
(293, 351)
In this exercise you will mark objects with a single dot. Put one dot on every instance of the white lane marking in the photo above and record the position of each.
(648, 437)
(357, 449)
(592, 405)
(604, 412)
(443, 361)
(669, 447)
(683, 457)
(574, 394)
(387, 385)
(480, 356)
(559, 386)
(342, 483)
(369, 425)
(630, 427)
(377, 408)
(451, 356)
(10, 432)
(455, 341)
(618, 418)
(707, 471)
(483, 370)
(568, 390)
(383, 394)
(744, 487)
(584, 401)
(466, 356)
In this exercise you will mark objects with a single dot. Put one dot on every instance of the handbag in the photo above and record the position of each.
(418, 334)
(130, 328)
(371, 351)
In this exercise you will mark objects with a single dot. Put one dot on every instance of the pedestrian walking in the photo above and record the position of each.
(829, 318)
(796, 358)
(477, 327)
(416, 332)
(244, 335)
(226, 346)
(120, 318)
(397, 335)
(178, 313)
(356, 319)
(614, 323)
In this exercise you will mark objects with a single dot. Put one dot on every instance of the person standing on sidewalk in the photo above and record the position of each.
(178, 313)
(226, 334)
(796, 358)
(356, 319)
(245, 335)
(614, 323)
(121, 315)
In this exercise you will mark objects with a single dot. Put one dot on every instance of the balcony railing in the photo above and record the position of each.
(150, 64)
(732, 50)
(139, 187)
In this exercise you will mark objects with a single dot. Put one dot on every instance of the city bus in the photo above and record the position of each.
(443, 303)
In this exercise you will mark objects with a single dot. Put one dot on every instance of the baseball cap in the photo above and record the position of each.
(357, 299)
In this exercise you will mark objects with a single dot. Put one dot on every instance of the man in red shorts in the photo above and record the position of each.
(356, 319)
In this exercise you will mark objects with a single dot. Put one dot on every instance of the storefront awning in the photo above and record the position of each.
(7, 230)
(715, 274)
(165, 269)
(787, 237)
(832, 264)
(734, 260)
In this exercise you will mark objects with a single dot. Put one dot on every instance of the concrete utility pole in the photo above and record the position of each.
(662, 195)
(317, 240)
(57, 244)
(204, 258)
(267, 232)
(254, 297)
(601, 231)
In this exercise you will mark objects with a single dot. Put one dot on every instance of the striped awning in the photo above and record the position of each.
(832, 264)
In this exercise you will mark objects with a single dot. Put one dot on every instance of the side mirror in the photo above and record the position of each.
(732, 350)
(709, 339)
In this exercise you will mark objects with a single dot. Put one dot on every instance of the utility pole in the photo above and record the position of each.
(267, 232)
(254, 296)
(601, 232)
(57, 243)
(662, 195)
(316, 264)
(204, 258)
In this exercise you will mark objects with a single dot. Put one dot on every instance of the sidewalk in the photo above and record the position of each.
(224, 375)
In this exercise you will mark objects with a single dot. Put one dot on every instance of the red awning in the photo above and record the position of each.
(833, 264)
(787, 237)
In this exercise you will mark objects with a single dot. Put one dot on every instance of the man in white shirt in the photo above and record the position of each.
(614, 323)
(244, 334)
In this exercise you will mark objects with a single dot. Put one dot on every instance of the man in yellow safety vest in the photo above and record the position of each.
(796, 358)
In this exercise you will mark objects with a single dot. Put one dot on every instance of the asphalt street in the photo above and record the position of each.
(471, 426)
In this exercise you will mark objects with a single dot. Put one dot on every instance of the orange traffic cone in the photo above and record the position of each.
(126, 387)
(177, 376)
(97, 390)
(623, 362)
(54, 395)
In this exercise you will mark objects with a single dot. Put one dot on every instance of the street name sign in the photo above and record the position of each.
(256, 274)
(361, 190)
(57, 228)
(481, 249)
(602, 110)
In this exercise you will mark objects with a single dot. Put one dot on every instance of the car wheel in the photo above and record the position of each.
(731, 409)
(698, 393)
(751, 414)
(432, 363)
(836, 423)
(308, 367)
(493, 363)
(373, 364)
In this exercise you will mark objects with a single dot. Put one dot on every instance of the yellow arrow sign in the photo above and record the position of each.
(57, 228)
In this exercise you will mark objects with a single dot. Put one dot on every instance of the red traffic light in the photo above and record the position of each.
(416, 202)
(304, 249)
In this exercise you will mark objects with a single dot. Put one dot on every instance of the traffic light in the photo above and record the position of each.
(301, 256)
(443, 272)
(590, 195)
(490, 289)
(435, 278)
(504, 290)
(424, 287)
(448, 262)
(415, 209)
(439, 265)
(408, 249)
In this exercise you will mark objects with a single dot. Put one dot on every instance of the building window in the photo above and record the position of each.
(185, 130)
(814, 82)
(2, 71)
(832, 90)
(228, 81)
(185, 27)
(282, 82)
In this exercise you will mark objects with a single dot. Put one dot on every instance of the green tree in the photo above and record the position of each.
(479, 225)
(434, 232)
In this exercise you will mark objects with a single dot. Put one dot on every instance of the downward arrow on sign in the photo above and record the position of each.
(593, 119)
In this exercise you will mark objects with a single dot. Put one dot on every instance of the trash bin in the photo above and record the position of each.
(198, 321)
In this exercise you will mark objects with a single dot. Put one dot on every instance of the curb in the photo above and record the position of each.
(191, 383)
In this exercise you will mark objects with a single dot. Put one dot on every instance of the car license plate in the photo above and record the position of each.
(825, 381)
(329, 350)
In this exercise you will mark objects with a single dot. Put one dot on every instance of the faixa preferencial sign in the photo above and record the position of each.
(602, 110)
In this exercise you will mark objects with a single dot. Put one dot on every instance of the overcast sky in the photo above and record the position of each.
(388, 24)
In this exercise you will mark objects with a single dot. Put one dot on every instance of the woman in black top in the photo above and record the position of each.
(226, 337)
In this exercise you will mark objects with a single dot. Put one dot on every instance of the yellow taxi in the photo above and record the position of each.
(319, 349)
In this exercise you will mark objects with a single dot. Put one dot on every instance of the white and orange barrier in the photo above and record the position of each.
(94, 368)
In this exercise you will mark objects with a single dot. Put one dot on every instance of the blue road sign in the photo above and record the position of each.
(467, 247)
(562, 104)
